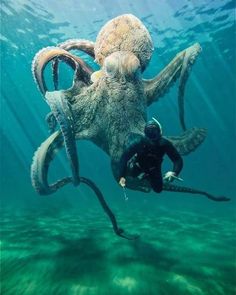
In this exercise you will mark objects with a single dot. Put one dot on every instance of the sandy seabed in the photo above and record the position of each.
(78, 254)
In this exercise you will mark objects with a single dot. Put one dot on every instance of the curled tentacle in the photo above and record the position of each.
(177, 68)
(73, 44)
(79, 44)
(40, 165)
(55, 73)
(189, 140)
(44, 56)
(39, 177)
(182, 189)
(62, 112)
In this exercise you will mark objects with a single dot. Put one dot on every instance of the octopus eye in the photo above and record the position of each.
(122, 63)
(111, 65)
(132, 64)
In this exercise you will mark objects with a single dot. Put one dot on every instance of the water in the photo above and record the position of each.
(64, 243)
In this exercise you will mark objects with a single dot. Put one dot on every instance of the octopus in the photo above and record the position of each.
(109, 107)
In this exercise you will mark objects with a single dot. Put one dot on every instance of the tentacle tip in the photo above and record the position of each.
(224, 199)
(219, 199)
(120, 232)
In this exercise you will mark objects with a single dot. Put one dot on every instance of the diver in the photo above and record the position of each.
(144, 158)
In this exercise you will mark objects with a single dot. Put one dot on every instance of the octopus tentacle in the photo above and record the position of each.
(40, 165)
(62, 111)
(120, 232)
(189, 140)
(51, 122)
(78, 44)
(39, 174)
(55, 72)
(177, 68)
(44, 56)
(183, 189)
(189, 58)
(143, 185)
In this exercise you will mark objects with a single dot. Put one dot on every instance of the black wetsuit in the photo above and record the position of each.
(147, 158)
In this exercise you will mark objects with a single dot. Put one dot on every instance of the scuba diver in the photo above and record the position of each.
(144, 157)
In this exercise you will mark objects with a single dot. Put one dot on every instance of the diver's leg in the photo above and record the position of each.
(135, 170)
(155, 178)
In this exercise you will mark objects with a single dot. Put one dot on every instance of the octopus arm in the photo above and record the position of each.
(39, 177)
(73, 44)
(183, 189)
(189, 140)
(41, 162)
(44, 56)
(143, 185)
(42, 159)
(62, 112)
(178, 68)
(79, 44)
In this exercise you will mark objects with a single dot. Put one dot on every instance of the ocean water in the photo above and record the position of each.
(63, 244)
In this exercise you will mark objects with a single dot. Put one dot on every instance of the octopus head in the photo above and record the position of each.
(122, 64)
(127, 33)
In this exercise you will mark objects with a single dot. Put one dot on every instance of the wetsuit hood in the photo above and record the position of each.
(153, 129)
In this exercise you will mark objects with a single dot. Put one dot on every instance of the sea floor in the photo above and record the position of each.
(78, 254)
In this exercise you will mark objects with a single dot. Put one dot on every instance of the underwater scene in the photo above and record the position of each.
(91, 91)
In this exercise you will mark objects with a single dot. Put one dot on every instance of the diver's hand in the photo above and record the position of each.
(170, 176)
(122, 182)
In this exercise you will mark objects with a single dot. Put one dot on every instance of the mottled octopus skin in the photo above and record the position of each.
(124, 33)
(114, 107)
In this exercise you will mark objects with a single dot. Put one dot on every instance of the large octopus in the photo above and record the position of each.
(109, 106)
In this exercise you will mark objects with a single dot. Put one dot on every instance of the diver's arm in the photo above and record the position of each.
(175, 157)
(127, 155)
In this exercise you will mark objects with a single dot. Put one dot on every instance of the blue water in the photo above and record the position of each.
(27, 26)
